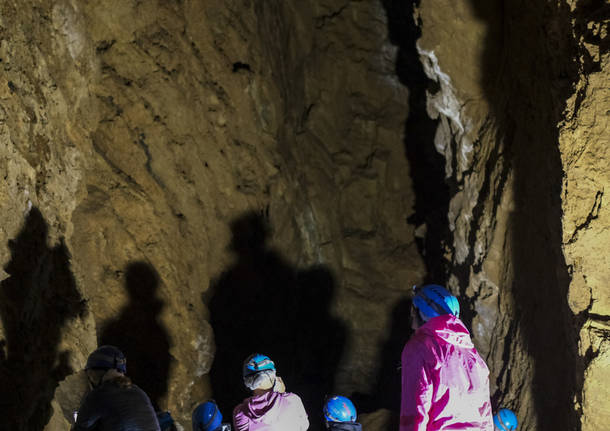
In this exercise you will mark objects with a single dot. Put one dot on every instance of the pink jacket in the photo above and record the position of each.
(271, 411)
(445, 383)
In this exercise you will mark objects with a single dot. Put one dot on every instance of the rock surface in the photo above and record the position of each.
(138, 132)
(191, 179)
(523, 132)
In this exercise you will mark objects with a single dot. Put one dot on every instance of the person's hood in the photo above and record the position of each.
(260, 405)
(344, 426)
(448, 328)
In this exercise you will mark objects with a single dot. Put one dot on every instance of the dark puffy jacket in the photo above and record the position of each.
(344, 426)
(116, 405)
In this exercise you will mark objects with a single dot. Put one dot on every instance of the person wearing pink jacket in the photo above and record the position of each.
(270, 408)
(445, 383)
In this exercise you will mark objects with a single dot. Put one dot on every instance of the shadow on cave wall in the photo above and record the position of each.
(263, 304)
(386, 393)
(36, 301)
(139, 335)
(529, 70)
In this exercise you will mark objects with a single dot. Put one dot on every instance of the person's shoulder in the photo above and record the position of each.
(290, 395)
(135, 388)
(292, 399)
(421, 348)
(240, 408)
(418, 342)
(240, 418)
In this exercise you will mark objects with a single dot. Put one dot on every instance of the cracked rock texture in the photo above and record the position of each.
(191, 179)
(133, 134)
(519, 95)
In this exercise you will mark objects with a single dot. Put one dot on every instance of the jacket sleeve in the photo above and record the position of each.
(240, 420)
(88, 414)
(416, 396)
(301, 414)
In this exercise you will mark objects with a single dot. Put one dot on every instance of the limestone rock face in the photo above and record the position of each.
(135, 138)
(585, 153)
(196, 180)
(523, 131)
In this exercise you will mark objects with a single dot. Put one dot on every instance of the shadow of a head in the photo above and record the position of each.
(141, 282)
(31, 242)
(250, 232)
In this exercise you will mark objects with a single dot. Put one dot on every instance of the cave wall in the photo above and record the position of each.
(519, 93)
(135, 138)
(154, 152)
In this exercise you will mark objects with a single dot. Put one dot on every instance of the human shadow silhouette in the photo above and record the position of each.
(37, 300)
(320, 341)
(387, 389)
(263, 304)
(139, 335)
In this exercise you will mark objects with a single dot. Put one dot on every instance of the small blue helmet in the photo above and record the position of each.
(434, 300)
(106, 358)
(505, 420)
(257, 362)
(207, 417)
(339, 409)
(165, 420)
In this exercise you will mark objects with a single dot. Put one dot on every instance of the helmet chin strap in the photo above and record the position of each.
(422, 316)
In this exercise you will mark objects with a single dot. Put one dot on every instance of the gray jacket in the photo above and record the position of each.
(116, 405)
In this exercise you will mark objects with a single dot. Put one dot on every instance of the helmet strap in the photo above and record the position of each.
(421, 317)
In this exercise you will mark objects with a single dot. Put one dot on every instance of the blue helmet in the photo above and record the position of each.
(206, 417)
(257, 362)
(165, 420)
(339, 409)
(505, 420)
(106, 358)
(434, 300)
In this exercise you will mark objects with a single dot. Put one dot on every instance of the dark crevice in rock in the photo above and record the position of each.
(237, 66)
(599, 317)
(432, 192)
(323, 20)
(142, 144)
(125, 176)
(593, 214)
(104, 45)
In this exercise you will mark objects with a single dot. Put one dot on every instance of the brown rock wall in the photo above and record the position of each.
(521, 130)
(171, 164)
(585, 154)
(142, 130)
